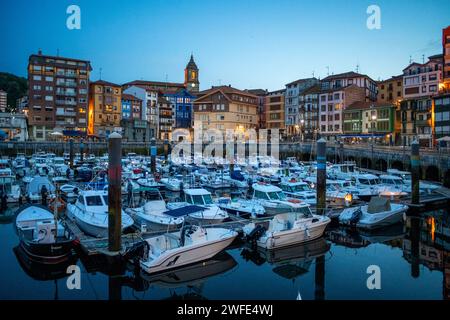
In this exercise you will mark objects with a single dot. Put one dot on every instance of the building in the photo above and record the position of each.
(445, 86)
(275, 111)
(390, 90)
(293, 91)
(309, 112)
(165, 118)
(191, 81)
(332, 102)
(343, 80)
(22, 105)
(226, 108)
(13, 126)
(182, 104)
(105, 108)
(367, 120)
(3, 101)
(420, 84)
(57, 95)
(261, 94)
(442, 115)
(135, 130)
(131, 107)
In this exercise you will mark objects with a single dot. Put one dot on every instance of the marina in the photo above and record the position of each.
(164, 229)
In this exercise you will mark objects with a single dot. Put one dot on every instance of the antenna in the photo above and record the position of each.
(410, 59)
(328, 70)
(313, 74)
(57, 52)
(100, 73)
(357, 68)
(423, 58)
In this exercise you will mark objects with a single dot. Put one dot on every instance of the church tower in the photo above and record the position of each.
(191, 76)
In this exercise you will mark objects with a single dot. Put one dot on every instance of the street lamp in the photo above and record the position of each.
(372, 125)
(302, 121)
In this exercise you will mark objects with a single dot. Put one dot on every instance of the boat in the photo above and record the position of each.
(286, 229)
(274, 200)
(241, 207)
(153, 216)
(190, 245)
(171, 184)
(149, 183)
(211, 213)
(90, 212)
(8, 184)
(41, 236)
(34, 189)
(299, 190)
(424, 187)
(380, 212)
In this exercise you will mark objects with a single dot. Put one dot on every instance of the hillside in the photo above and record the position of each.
(15, 86)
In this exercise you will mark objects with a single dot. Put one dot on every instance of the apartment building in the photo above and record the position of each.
(275, 111)
(390, 90)
(165, 119)
(3, 100)
(131, 107)
(57, 95)
(105, 108)
(226, 108)
(261, 94)
(309, 112)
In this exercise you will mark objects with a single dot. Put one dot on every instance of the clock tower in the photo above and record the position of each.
(191, 76)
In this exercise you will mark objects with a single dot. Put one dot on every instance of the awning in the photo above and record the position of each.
(369, 135)
(184, 211)
(74, 133)
(445, 139)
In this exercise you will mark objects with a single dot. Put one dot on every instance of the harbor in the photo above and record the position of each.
(158, 227)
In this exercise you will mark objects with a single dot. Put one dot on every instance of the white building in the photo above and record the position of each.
(3, 101)
(422, 79)
(14, 125)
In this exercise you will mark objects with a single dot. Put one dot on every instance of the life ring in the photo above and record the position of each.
(294, 201)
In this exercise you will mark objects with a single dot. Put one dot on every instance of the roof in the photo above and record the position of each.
(226, 91)
(191, 64)
(265, 187)
(393, 78)
(350, 74)
(196, 192)
(314, 89)
(434, 57)
(276, 92)
(58, 58)
(126, 96)
(152, 84)
(105, 83)
(302, 80)
(257, 92)
(362, 105)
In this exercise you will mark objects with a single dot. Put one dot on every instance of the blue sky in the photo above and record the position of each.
(247, 43)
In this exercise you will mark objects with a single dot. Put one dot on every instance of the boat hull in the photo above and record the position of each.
(48, 253)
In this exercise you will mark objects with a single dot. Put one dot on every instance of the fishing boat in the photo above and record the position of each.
(211, 213)
(380, 212)
(90, 212)
(190, 245)
(287, 229)
(42, 236)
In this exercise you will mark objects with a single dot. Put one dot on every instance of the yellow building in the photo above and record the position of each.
(274, 108)
(105, 108)
(390, 90)
(225, 107)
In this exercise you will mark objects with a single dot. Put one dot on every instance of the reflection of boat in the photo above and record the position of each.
(289, 262)
(389, 233)
(346, 237)
(192, 274)
(42, 271)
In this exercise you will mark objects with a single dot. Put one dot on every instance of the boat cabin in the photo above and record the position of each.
(198, 197)
(266, 191)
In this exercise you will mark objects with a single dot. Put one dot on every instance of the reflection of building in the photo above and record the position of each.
(57, 95)
(105, 108)
(14, 125)
(3, 101)
(226, 108)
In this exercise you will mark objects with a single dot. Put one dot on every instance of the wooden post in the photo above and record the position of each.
(321, 176)
(166, 149)
(71, 153)
(319, 278)
(114, 192)
(415, 172)
(81, 150)
(153, 155)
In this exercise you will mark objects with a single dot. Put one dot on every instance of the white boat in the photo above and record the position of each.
(149, 183)
(90, 212)
(201, 197)
(152, 214)
(287, 229)
(190, 245)
(424, 187)
(241, 207)
(299, 190)
(171, 184)
(34, 188)
(70, 192)
(9, 186)
(378, 213)
(274, 200)
(371, 186)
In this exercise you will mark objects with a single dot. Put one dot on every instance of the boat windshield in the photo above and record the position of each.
(369, 182)
(197, 199)
(94, 201)
(208, 199)
(276, 195)
(300, 187)
(305, 211)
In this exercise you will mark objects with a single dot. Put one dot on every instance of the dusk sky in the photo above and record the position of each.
(247, 43)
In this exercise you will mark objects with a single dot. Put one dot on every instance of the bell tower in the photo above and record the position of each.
(191, 76)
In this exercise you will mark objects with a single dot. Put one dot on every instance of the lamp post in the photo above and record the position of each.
(302, 128)
(373, 125)
(297, 129)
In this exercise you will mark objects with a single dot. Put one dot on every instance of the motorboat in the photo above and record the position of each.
(299, 190)
(69, 192)
(90, 212)
(9, 186)
(172, 184)
(424, 187)
(380, 212)
(371, 186)
(287, 229)
(190, 245)
(241, 207)
(34, 188)
(274, 200)
(149, 183)
(153, 216)
(342, 171)
(211, 214)
(41, 235)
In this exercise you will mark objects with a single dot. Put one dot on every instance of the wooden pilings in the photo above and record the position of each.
(114, 192)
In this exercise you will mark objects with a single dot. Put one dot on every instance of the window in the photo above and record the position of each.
(37, 78)
(48, 98)
(49, 79)
(94, 201)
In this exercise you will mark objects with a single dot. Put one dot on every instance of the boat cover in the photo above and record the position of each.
(378, 204)
(184, 211)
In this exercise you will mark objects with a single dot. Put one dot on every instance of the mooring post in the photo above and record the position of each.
(414, 236)
(319, 278)
(341, 151)
(81, 150)
(166, 149)
(153, 155)
(415, 172)
(71, 153)
(114, 191)
(321, 176)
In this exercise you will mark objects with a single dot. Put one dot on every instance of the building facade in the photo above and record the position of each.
(135, 130)
(292, 98)
(14, 126)
(191, 81)
(105, 108)
(275, 111)
(390, 90)
(226, 108)
(57, 95)
(262, 111)
(182, 103)
(3, 101)
(165, 119)
(442, 115)
(445, 86)
(131, 107)
(309, 112)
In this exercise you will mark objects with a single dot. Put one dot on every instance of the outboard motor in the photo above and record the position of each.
(255, 234)
(356, 215)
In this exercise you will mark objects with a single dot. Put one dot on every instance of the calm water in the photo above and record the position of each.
(414, 259)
